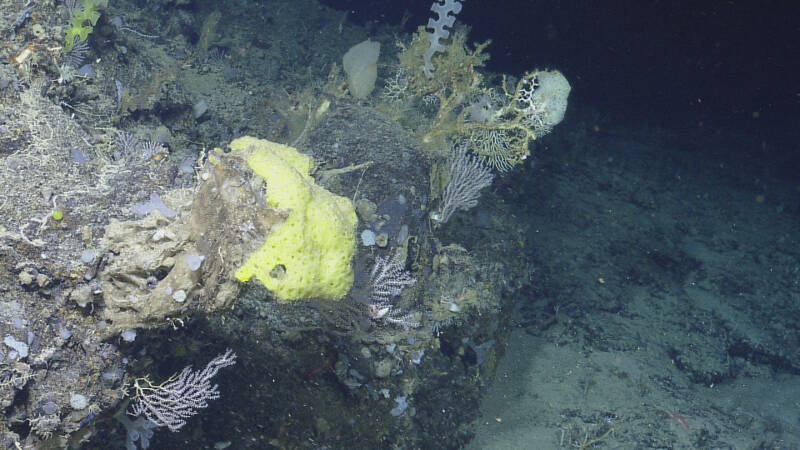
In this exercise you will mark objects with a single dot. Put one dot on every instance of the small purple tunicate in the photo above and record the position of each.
(85, 71)
(110, 376)
(49, 408)
(194, 261)
(19, 347)
(78, 156)
(416, 356)
(88, 255)
(187, 165)
(154, 204)
(401, 405)
(128, 335)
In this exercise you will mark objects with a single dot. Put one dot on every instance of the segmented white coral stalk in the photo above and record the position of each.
(438, 29)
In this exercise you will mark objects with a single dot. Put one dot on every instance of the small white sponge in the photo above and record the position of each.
(361, 66)
(550, 96)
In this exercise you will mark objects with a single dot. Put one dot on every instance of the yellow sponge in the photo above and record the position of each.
(309, 255)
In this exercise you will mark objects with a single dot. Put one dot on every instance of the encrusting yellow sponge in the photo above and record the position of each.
(309, 255)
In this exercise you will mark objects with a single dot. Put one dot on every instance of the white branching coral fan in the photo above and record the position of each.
(468, 176)
(169, 404)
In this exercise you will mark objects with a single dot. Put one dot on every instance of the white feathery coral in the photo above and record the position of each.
(387, 280)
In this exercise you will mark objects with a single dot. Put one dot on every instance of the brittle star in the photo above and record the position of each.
(677, 418)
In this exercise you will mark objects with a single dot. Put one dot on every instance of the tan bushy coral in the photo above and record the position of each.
(454, 81)
(499, 124)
